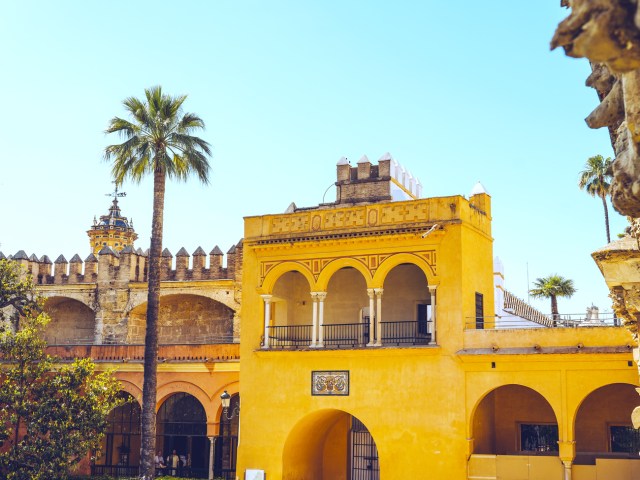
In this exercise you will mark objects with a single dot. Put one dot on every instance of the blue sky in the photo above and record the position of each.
(456, 91)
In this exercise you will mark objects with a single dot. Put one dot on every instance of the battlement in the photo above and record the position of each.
(131, 265)
(387, 181)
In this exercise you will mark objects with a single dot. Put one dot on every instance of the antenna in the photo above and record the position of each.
(115, 193)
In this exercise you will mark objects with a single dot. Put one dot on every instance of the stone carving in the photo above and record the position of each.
(330, 383)
(607, 32)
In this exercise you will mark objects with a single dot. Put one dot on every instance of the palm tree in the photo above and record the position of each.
(158, 141)
(552, 287)
(595, 179)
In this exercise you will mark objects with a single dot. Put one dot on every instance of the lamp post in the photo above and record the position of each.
(225, 421)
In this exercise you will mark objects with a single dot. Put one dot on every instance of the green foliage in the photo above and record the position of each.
(595, 179)
(553, 286)
(159, 137)
(51, 414)
(17, 295)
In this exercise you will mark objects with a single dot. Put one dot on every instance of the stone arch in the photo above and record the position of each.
(317, 447)
(184, 318)
(405, 289)
(168, 389)
(132, 389)
(599, 413)
(398, 259)
(501, 417)
(72, 321)
(277, 271)
(335, 265)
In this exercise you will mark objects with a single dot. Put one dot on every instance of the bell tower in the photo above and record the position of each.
(113, 230)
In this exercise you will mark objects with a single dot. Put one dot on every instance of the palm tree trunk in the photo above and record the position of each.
(606, 217)
(148, 440)
(554, 309)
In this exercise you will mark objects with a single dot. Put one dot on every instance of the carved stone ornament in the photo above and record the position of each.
(326, 382)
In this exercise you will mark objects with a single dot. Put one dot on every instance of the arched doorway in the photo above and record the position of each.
(330, 445)
(226, 443)
(603, 425)
(515, 420)
(182, 426)
(119, 454)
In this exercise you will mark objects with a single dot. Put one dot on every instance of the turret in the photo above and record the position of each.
(112, 230)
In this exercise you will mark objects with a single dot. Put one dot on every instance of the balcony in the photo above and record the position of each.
(349, 335)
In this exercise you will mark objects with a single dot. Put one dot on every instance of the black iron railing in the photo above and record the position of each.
(406, 333)
(289, 336)
(345, 334)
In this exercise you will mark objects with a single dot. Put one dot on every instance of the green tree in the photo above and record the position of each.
(17, 295)
(51, 414)
(595, 179)
(159, 141)
(552, 287)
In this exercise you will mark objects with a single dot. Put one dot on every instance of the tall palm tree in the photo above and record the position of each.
(596, 180)
(552, 287)
(158, 140)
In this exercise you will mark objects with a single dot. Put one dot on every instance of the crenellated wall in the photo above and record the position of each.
(200, 299)
(130, 266)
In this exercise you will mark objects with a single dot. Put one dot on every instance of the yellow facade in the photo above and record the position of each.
(448, 398)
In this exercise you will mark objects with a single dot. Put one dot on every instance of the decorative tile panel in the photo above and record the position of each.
(330, 382)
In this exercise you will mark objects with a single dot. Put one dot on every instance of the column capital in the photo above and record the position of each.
(371, 292)
(378, 291)
(321, 296)
(266, 297)
(432, 288)
(567, 451)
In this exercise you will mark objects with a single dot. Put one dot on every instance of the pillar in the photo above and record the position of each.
(432, 292)
(211, 450)
(378, 292)
(267, 318)
(567, 452)
(371, 294)
(314, 327)
(321, 297)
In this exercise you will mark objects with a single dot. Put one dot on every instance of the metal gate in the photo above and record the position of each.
(364, 454)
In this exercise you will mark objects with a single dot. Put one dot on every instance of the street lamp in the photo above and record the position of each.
(225, 398)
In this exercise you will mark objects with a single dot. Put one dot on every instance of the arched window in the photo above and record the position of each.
(182, 426)
(120, 452)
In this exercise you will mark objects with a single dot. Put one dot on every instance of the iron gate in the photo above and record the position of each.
(364, 454)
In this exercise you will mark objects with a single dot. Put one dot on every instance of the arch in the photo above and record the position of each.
(72, 321)
(317, 447)
(603, 417)
(184, 318)
(398, 259)
(514, 419)
(170, 388)
(132, 389)
(181, 433)
(120, 447)
(339, 263)
(277, 271)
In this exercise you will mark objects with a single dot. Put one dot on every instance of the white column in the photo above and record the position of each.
(321, 297)
(371, 317)
(267, 318)
(567, 469)
(432, 292)
(211, 450)
(314, 328)
(378, 292)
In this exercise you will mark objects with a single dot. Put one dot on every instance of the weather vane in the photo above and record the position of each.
(115, 193)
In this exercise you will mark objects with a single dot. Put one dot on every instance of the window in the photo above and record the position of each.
(479, 311)
(624, 439)
(538, 437)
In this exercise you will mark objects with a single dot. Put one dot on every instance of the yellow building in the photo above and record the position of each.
(369, 350)
(367, 341)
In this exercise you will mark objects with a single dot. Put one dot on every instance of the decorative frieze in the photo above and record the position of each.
(330, 382)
